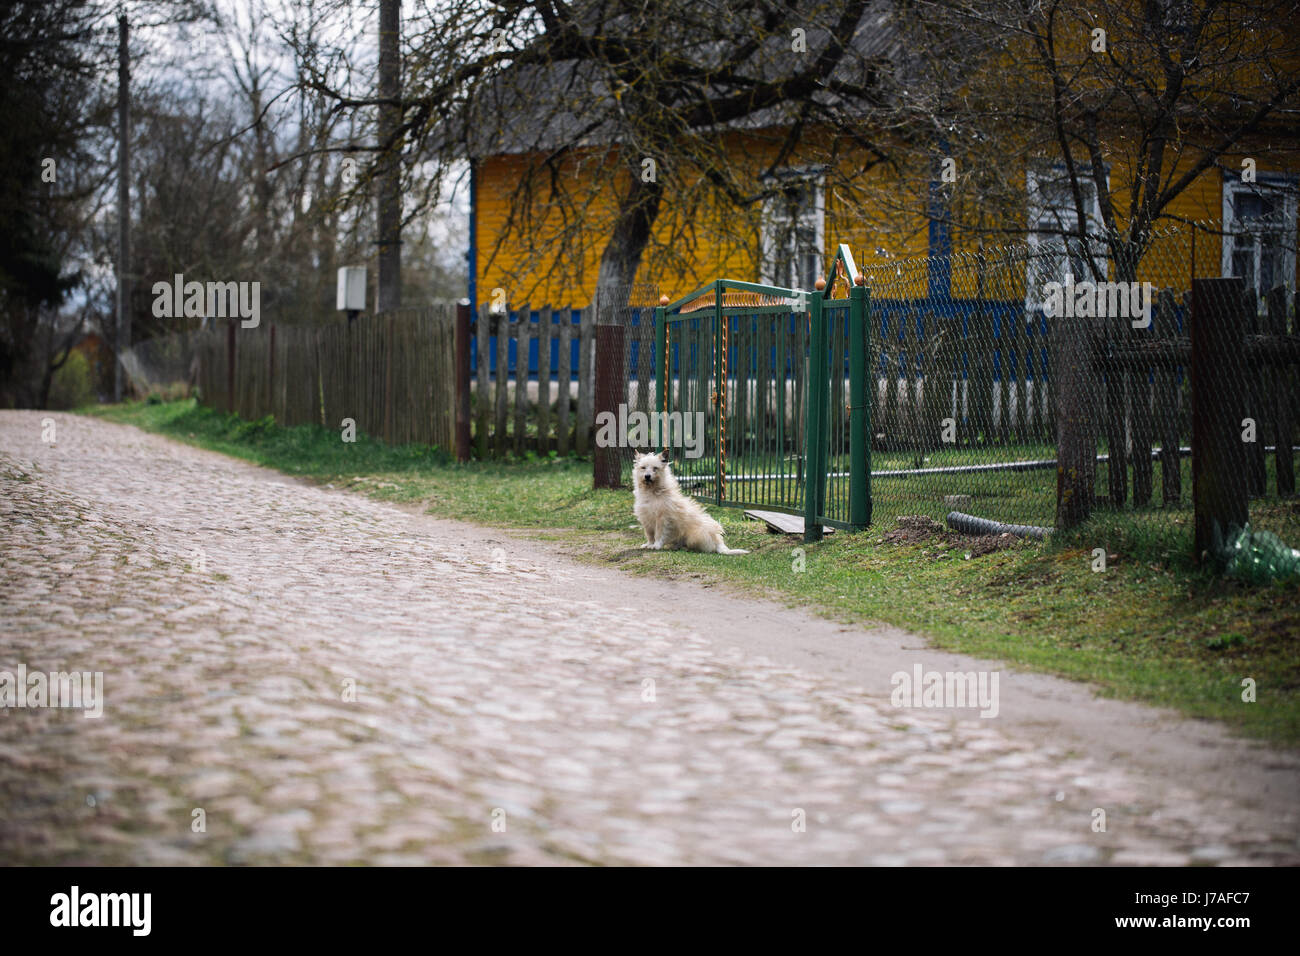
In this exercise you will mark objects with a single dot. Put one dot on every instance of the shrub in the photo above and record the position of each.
(71, 386)
(162, 393)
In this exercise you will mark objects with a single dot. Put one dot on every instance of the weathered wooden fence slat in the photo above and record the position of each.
(544, 379)
(586, 380)
(481, 382)
(521, 335)
(564, 379)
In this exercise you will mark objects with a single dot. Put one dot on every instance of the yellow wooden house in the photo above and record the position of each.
(1239, 217)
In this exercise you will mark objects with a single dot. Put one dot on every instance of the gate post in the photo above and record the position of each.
(859, 407)
(661, 366)
(720, 390)
(818, 381)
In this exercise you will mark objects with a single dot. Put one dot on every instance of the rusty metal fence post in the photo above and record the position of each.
(607, 465)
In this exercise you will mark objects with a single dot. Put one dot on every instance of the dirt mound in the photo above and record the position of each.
(988, 543)
(913, 529)
(918, 529)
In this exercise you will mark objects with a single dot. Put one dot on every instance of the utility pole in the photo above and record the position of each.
(390, 170)
(123, 202)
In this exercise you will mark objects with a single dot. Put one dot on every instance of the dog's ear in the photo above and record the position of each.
(665, 457)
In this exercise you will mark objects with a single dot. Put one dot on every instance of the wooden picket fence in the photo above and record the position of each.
(395, 375)
(392, 374)
(536, 394)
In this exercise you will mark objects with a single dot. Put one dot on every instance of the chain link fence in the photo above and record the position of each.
(624, 373)
(166, 364)
(995, 367)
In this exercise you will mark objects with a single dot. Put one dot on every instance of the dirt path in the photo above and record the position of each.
(595, 716)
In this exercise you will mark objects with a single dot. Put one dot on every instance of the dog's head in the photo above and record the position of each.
(649, 470)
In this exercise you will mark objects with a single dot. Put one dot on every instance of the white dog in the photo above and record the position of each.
(668, 517)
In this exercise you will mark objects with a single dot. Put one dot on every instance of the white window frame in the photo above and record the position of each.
(1038, 210)
(1285, 187)
(776, 211)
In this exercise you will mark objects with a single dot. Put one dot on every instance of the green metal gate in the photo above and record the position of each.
(765, 390)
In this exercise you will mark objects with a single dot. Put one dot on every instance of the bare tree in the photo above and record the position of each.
(641, 103)
(1158, 92)
(50, 175)
(1124, 106)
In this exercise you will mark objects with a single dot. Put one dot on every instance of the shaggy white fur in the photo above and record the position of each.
(669, 518)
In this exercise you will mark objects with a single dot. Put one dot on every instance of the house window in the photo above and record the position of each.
(1176, 16)
(1259, 225)
(794, 231)
(1055, 249)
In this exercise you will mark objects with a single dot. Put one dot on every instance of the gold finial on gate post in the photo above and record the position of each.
(860, 279)
(663, 300)
(820, 284)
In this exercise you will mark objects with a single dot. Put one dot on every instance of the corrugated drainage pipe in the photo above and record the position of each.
(969, 524)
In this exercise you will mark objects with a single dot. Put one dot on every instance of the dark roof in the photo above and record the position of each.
(531, 108)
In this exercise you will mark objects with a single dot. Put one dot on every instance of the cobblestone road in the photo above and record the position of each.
(230, 613)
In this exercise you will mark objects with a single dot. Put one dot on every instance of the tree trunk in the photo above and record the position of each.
(52, 364)
(47, 372)
(637, 213)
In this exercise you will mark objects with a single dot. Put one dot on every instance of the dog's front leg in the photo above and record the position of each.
(661, 537)
(649, 530)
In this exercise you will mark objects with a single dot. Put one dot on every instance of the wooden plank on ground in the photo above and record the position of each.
(781, 523)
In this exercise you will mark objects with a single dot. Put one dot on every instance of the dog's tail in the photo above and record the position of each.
(723, 549)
